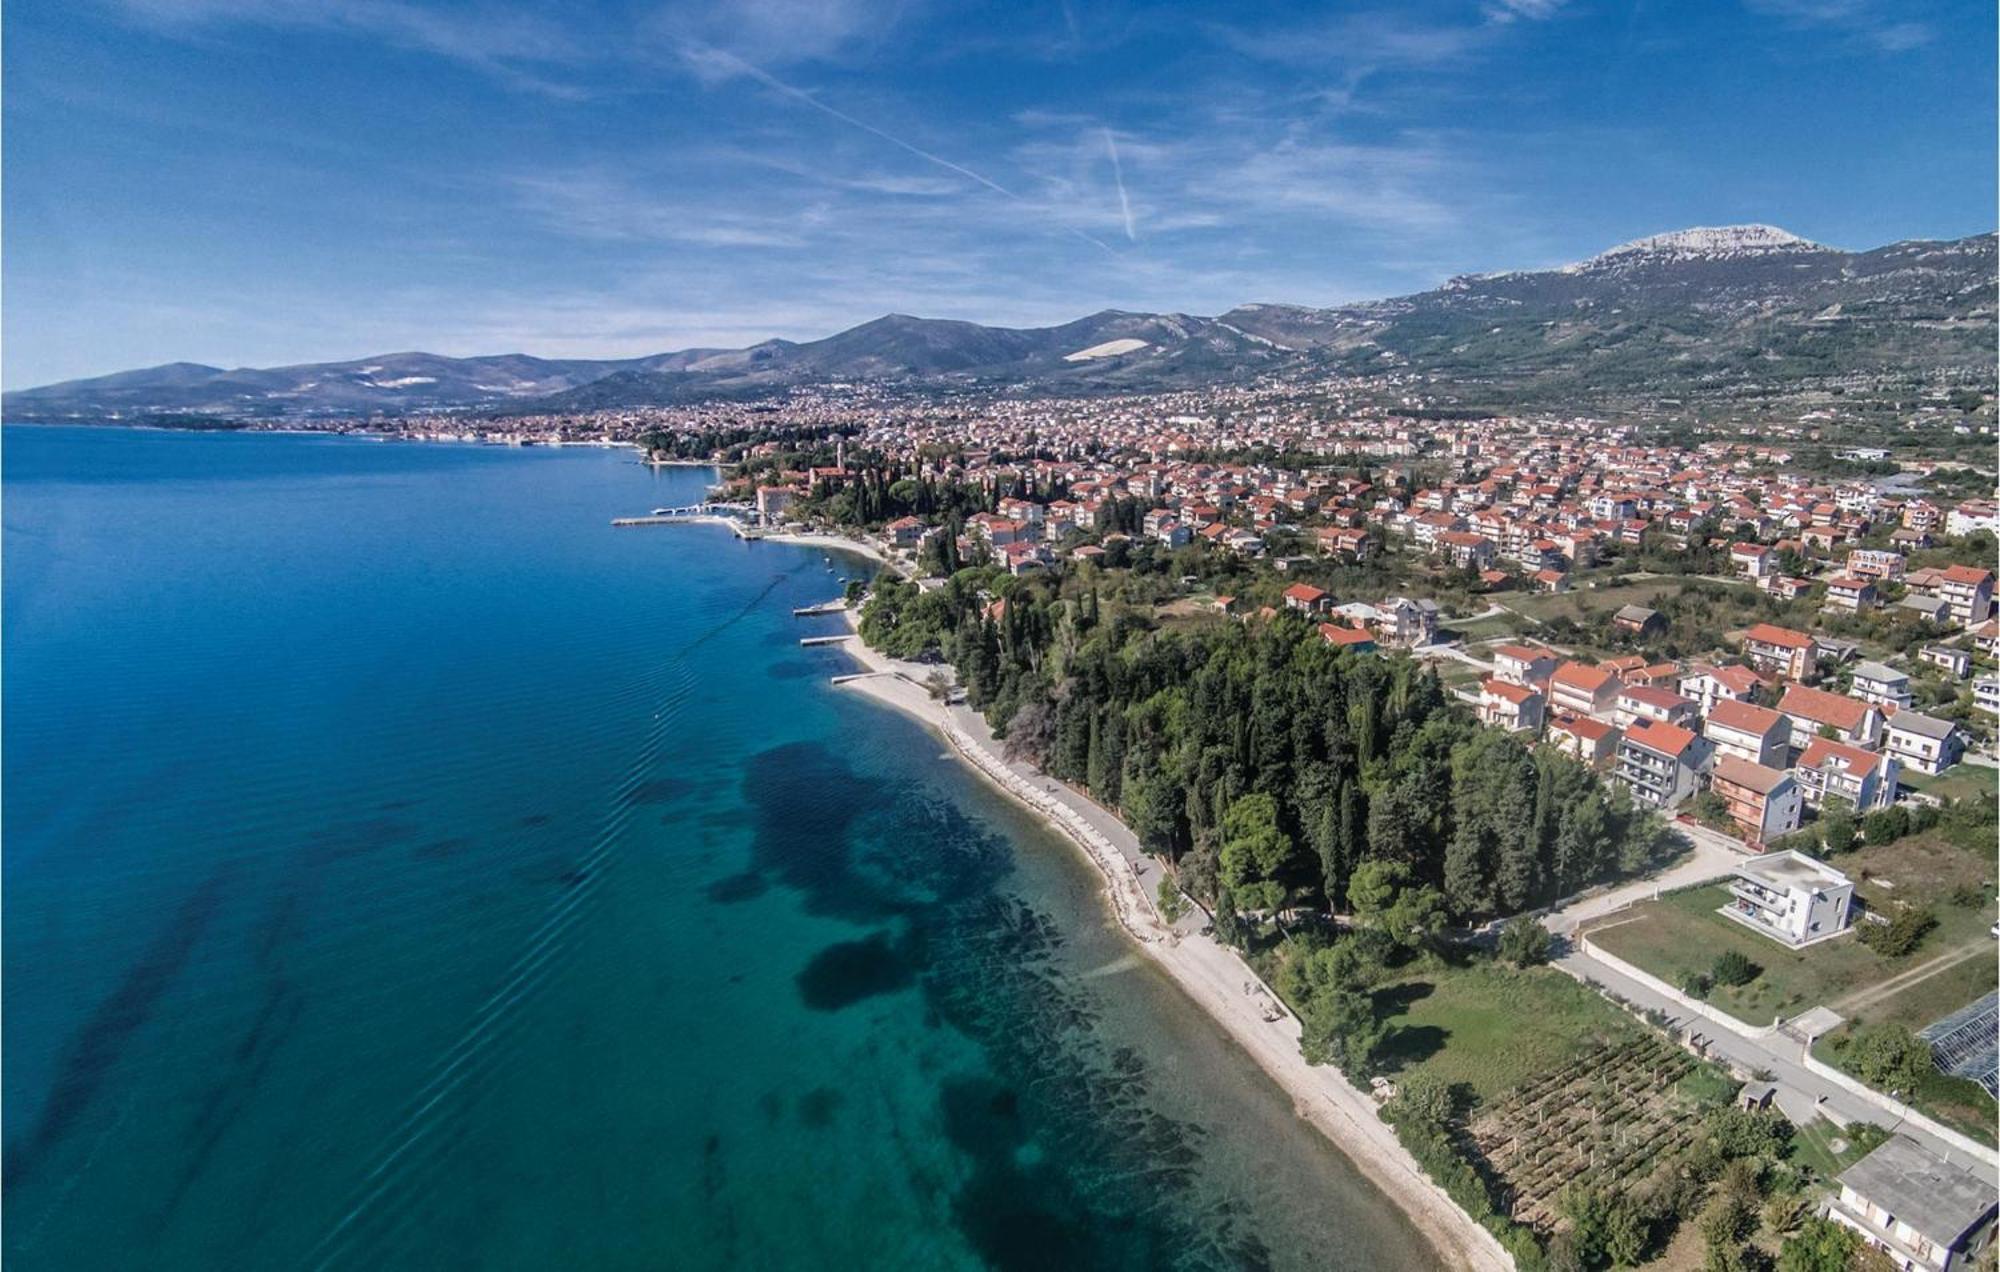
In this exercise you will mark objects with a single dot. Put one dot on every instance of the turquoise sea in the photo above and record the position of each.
(405, 869)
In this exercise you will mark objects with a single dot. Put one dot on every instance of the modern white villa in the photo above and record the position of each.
(1790, 898)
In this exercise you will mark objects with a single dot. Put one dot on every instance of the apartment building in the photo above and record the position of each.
(1925, 1213)
(1582, 737)
(1879, 685)
(1584, 690)
(1862, 778)
(1710, 685)
(1645, 702)
(1523, 664)
(1850, 594)
(1968, 591)
(1921, 742)
(1790, 898)
(1764, 802)
(1513, 707)
(1662, 763)
(1779, 650)
(1754, 734)
(1810, 710)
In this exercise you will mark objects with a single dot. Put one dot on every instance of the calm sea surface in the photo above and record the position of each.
(404, 869)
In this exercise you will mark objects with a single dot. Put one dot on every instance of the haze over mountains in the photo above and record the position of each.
(1687, 312)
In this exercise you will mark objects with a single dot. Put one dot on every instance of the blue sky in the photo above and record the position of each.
(252, 182)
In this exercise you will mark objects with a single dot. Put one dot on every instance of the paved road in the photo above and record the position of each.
(1714, 856)
(1801, 1093)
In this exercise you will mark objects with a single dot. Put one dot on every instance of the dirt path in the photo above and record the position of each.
(1868, 997)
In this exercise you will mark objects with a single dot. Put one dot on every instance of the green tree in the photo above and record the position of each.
(1889, 1056)
(1821, 1245)
(1836, 826)
(1524, 942)
(1255, 851)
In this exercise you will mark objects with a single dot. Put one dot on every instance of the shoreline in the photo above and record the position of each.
(1213, 976)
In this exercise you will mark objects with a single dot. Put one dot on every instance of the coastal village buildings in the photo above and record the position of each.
(1813, 711)
(1510, 705)
(1774, 712)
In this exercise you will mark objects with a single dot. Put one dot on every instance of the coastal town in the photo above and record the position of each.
(1781, 651)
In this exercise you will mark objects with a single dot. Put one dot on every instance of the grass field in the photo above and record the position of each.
(1601, 600)
(1483, 628)
(1957, 782)
(1830, 1149)
(1682, 933)
(1490, 1026)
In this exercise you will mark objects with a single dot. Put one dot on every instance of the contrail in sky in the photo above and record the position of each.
(777, 85)
(1118, 171)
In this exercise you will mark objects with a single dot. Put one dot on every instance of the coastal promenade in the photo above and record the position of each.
(1213, 975)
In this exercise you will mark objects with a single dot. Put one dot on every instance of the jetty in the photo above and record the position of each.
(827, 640)
(824, 607)
(706, 511)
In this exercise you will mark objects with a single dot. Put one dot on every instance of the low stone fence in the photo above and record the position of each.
(1660, 987)
(1890, 1105)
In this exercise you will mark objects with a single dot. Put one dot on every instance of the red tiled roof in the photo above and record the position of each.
(1589, 728)
(1731, 714)
(1822, 707)
(1756, 777)
(1785, 637)
(1575, 675)
(1850, 759)
(1666, 739)
(1516, 694)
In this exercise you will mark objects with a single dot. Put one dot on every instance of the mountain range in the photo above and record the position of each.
(1712, 310)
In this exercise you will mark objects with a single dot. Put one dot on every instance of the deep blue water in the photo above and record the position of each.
(404, 869)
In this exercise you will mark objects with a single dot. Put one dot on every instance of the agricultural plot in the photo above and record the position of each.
(1615, 1117)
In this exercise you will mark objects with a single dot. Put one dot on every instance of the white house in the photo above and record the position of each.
(1882, 686)
(1927, 1214)
(1789, 897)
(1922, 742)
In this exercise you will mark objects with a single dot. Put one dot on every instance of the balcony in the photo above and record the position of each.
(1760, 896)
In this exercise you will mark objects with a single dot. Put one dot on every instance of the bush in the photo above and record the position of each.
(1885, 825)
(1695, 984)
(1901, 935)
(1732, 967)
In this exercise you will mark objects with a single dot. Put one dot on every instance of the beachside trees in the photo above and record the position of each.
(1259, 759)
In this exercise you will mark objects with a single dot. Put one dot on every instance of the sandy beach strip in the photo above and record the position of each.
(1211, 974)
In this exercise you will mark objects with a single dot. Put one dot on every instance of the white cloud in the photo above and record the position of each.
(1880, 25)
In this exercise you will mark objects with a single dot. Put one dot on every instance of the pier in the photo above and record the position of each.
(824, 607)
(692, 512)
(827, 640)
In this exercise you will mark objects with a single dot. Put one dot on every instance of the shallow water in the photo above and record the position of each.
(405, 869)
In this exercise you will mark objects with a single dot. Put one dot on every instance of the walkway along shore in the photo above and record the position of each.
(1208, 972)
